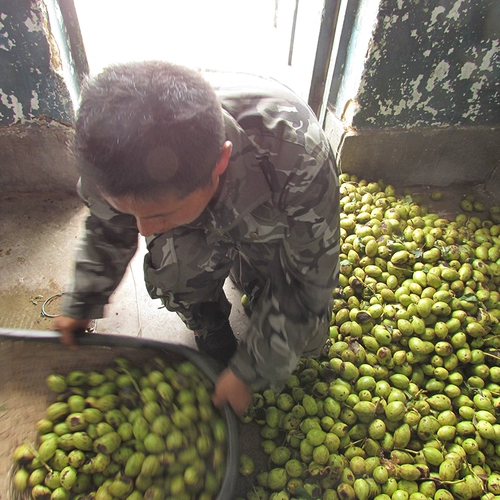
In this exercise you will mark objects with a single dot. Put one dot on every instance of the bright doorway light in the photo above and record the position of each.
(220, 34)
(238, 35)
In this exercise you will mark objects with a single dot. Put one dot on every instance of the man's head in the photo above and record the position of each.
(151, 137)
(147, 129)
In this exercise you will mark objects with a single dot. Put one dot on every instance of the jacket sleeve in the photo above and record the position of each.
(108, 243)
(292, 316)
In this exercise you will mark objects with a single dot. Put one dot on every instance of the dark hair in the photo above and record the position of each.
(148, 129)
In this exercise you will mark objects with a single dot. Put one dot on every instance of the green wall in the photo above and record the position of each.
(432, 63)
(426, 110)
(42, 63)
(39, 76)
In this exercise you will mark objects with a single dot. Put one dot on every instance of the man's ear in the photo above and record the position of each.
(223, 161)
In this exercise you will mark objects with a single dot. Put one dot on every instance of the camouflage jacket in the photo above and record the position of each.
(278, 207)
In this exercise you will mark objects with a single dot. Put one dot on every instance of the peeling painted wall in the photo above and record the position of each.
(427, 109)
(34, 68)
(42, 62)
(432, 63)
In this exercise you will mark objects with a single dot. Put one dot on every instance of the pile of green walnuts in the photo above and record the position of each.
(126, 433)
(404, 402)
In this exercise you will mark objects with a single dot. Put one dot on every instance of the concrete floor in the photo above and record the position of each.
(38, 237)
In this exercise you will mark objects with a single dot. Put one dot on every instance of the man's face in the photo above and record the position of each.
(155, 217)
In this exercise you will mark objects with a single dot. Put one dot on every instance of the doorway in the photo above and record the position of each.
(276, 38)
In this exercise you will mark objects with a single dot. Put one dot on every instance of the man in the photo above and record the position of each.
(222, 173)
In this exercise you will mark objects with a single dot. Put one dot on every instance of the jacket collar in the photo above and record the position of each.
(242, 187)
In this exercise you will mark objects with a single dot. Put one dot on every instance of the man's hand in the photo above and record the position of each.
(230, 389)
(68, 326)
